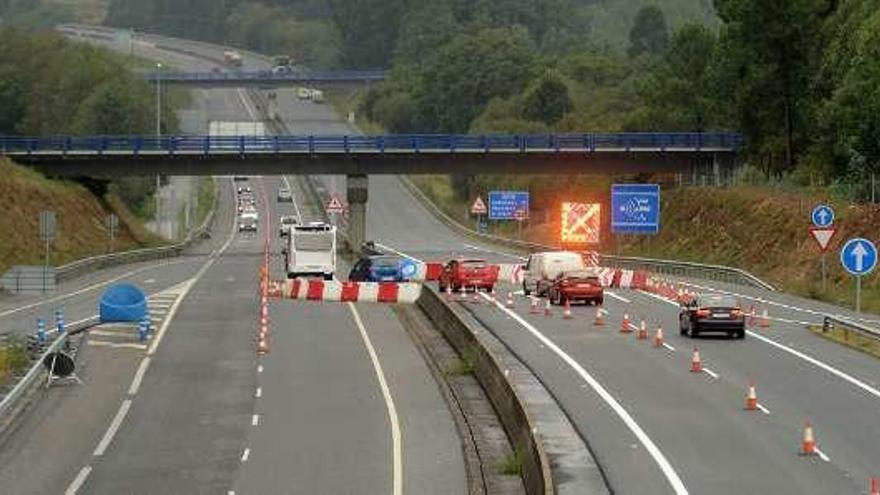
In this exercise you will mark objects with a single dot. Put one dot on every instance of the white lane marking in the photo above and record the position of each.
(397, 474)
(246, 104)
(117, 345)
(822, 455)
(659, 298)
(150, 281)
(259, 392)
(295, 205)
(486, 250)
(763, 409)
(139, 376)
(114, 426)
(260, 368)
(121, 331)
(668, 347)
(831, 369)
(255, 420)
(89, 288)
(711, 373)
(245, 455)
(671, 476)
(618, 297)
(399, 253)
(78, 482)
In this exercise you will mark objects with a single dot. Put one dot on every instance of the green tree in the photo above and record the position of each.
(368, 30)
(648, 34)
(547, 99)
(423, 30)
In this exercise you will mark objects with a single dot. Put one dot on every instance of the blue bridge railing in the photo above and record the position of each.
(329, 76)
(415, 143)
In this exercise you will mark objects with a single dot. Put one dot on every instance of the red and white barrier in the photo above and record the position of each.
(335, 291)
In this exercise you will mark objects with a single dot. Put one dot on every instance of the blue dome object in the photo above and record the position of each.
(123, 302)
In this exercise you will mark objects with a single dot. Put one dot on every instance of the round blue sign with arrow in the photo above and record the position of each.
(822, 216)
(858, 256)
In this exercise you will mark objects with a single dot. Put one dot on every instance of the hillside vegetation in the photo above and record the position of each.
(80, 219)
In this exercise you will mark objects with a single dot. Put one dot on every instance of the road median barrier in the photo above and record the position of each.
(555, 459)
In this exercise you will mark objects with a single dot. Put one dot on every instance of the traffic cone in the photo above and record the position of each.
(509, 302)
(696, 362)
(448, 292)
(764, 322)
(547, 308)
(874, 486)
(751, 317)
(566, 312)
(600, 318)
(533, 307)
(808, 445)
(643, 331)
(476, 297)
(751, 398)
(625, 325)
(263, 345)
(658, 337)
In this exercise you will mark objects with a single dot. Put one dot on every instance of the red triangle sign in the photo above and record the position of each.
(823, 236)
(479, 207)
(334, 205)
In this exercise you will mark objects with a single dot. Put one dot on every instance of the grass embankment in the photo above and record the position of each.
(81, 230)
(760, 230)
(13, 359)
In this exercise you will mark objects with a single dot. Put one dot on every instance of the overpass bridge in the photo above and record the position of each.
(263, 78)
(357, 157)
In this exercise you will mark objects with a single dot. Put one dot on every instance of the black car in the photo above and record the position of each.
(712, 313)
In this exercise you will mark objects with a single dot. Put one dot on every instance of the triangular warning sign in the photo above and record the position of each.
(335, 206)
(479, 207)
(823, 236)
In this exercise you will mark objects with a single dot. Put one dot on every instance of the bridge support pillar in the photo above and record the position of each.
(357, 186)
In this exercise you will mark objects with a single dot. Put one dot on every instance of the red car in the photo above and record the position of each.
(577, 285)
(468, 273)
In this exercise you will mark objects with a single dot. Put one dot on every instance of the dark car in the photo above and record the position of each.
(468, 274)
(577, 285)
(712, 313)
(379, 268)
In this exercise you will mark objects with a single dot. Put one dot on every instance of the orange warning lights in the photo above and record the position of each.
(580, 223)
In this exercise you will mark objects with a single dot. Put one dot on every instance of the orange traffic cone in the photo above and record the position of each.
(625, 325)
(874, 486)
(658, 337)
(263, 345)
(476, 297)
(547, 307)
(643, 331)
(600, 318)
(533, 305)
(808, 445)
(764, 322)
(448, 292)
(566, 312)
(751, 398)
(696, 362)
(509, 299)
(751, 317)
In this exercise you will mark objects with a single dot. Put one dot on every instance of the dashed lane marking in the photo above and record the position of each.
(711, 373)
(617, 296)
(245, 455)
(114, 427)
(78, 482)
(117, 345)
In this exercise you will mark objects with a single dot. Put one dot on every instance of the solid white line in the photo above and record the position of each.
(105, 333)
(293, 196)
(245, 455)
(618, 297)
(116, 345)
(139, 376)
(486, 250)
(834, 371)
(78, 482)
(671, 476)
(711, 373)
(399, 253)
(669, 347)
(822, 455)
(259, 392)
(114, 426)
(659, 298)
(260, 368)
(397, 454)
(255, 420)
(763, 409)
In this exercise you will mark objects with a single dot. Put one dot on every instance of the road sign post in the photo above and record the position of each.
(823, 231)
(478, 208)
(859, 257)
(112, 223)
(47, 234)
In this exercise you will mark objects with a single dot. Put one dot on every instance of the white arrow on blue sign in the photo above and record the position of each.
(859, 256)
(822, 216)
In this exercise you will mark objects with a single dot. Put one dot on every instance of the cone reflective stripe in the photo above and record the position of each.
(533, 308)
(547, 307)
(492, 297)
(448, 291)
(808, 445)
(658, 337)
(263, 346)
(764, 322)
(566, 312)
(751, 317)
(696, 362)
(751, 398)
(643, 331)
(600, 318)
(625, 325)
(476, 297)
(509, 299)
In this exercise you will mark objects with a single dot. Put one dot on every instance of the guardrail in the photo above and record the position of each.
(668, 267)
(390, 144)
(830, 323)
(37, 370)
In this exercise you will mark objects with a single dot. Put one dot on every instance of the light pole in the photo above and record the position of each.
(158, 135)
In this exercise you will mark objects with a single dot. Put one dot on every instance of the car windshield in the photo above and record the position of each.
(717, 301)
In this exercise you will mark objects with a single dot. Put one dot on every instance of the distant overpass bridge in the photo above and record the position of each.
(268, 78)
(712, 154)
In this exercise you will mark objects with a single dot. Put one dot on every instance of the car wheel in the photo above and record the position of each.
(441, 288)
(740, 334)
(456, 288)
(600, 301)
(526, 291)
(694, 333)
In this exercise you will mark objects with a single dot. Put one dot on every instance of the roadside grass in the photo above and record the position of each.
(207, 197)
(466, 364)
(13, 359)
(512, 464)
(850, 339)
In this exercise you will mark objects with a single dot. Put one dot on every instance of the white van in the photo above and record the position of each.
(311, 251)
(542, 268)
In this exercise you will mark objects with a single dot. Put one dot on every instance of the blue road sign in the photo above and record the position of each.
(635, 208)
(503, 205)
(822, 216)
(858, 256)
